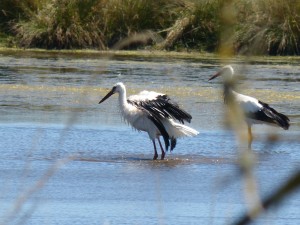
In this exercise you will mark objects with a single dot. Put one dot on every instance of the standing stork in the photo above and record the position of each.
(155, 114)
(255, 111)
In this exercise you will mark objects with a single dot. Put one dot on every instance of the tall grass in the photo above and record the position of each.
(269, 26)
(261, 26)
(90, 23)
(205, 33)
(10, 10)
(196, 26)
(128, 17)
(62, 24)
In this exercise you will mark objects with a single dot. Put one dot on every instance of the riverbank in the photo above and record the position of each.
(150, 54)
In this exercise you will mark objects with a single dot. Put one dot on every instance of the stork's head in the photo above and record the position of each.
(118, 87)
(227, 72)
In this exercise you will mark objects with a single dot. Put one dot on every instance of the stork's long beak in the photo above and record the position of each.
(216, 75)
(108, 95)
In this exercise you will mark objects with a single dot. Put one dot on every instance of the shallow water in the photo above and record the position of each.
(50, 112)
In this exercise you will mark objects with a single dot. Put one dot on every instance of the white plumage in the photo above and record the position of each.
(144, 96)
(155, 114)
(255, 111)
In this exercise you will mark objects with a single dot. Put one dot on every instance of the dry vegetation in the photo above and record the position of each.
(259, 26)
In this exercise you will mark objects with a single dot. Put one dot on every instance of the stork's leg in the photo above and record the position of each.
(155, 152)
(250, 137)
(162, 150)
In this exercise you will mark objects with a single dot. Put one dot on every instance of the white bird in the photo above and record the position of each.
(255, 111)
(155, 114)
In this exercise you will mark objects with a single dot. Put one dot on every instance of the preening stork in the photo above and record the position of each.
(155, 114)
(255, 111)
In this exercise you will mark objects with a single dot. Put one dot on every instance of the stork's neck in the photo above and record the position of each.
(123, 99)
(228, 94)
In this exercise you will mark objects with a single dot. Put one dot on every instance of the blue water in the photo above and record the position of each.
(67, 160)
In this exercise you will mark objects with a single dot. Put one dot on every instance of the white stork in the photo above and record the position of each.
(155, 114)
(255, 111)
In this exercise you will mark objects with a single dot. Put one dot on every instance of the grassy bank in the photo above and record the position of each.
(239, 26)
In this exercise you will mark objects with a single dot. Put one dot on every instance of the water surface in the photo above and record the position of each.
(50, 112)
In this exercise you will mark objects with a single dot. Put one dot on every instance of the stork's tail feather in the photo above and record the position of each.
(184, 131)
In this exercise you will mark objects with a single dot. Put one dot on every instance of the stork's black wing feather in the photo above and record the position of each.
(280, 119)
(161, 129)
(157, 122)
(270, 115)
(173, 143)
(163, 107)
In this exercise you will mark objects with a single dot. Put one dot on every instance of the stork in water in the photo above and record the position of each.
(155, 114)
(255, 111)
